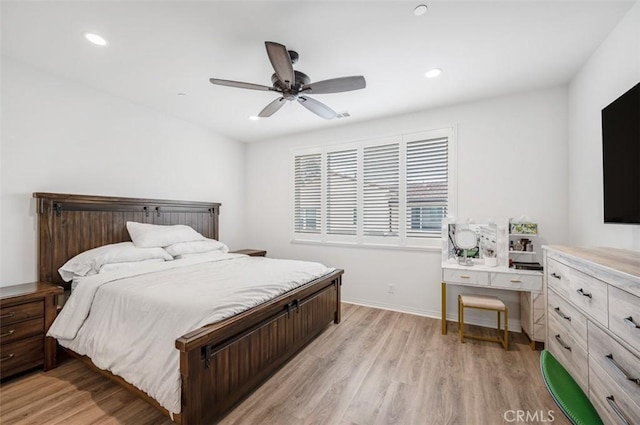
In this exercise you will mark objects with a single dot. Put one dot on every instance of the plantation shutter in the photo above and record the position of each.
(342, 192)
(307, 193)
(381, 180)
(426, 187)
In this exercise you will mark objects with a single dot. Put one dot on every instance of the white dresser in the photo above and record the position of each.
(593, 325)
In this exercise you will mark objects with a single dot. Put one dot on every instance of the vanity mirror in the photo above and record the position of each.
(471, 243)
(464, 240)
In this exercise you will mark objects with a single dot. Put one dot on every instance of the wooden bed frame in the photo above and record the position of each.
(220, 364)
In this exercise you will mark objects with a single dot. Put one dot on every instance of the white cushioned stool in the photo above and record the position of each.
(483, 302)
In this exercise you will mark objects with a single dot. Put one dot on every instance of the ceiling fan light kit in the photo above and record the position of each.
(295, 85)
(433, 73)
(420, 10)
(95, 39)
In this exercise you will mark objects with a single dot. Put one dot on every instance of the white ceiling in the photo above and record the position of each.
(158, 49)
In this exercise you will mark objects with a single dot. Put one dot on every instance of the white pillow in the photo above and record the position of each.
(196, 247)
(89, 262)
(146, 235)
(116, 267)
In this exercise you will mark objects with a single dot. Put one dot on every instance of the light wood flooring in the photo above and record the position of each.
(377, 367)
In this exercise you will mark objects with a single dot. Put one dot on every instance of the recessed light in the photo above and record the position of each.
(433, 73)
(182, 94)
(95, 39)
(254, 118)
(420, 10)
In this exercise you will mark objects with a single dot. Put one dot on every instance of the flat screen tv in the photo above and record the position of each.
(621, 158)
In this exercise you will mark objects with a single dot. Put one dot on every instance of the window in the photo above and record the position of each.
(308, 197)
(381, 184)
(393, 192)
(342, 192)
(427, 186)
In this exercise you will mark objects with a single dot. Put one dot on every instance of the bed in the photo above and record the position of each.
(220, 363)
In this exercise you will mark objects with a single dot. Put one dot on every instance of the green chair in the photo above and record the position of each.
(567, 393)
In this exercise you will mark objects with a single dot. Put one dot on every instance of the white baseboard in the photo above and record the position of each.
(514, 324)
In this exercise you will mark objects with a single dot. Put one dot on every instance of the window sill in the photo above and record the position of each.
(436, 248)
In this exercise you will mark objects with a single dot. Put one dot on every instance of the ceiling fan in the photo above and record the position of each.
(295, 85)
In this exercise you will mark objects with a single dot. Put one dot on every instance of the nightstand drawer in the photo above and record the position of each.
(20, 312)
(21, 355)
(15, 331)
(27, 311)
(470, 277)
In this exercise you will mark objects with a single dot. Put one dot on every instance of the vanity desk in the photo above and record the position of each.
(488, 267)
(527, 282)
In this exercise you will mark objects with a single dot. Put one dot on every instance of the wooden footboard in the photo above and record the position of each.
(222, 363)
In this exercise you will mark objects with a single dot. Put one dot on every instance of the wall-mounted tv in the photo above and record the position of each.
(621, 158)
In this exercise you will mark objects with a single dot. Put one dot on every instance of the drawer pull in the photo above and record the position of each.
(565, 346)
(515, 280)
(584, 294)
(6, 316)
(616, 409)
(621, 370)
(11, 332)
(557, 309)
(465, 276)
(629, 321)
(10, 356)
(557, 276)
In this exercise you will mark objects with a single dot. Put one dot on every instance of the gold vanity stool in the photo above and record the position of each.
(483, 302)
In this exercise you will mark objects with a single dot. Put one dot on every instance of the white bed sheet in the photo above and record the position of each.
(127, 322)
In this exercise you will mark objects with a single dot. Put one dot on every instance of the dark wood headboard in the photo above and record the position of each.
(71, 224)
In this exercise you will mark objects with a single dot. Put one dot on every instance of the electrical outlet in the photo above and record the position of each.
(390, 289)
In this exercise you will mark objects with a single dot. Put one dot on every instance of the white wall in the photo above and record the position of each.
(512, 156)
(612, 70)
(58, 136)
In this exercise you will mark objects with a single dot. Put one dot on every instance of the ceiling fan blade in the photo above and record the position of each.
(281, 62)
(240, 85)
(336, 85)
(317, 108)
(272, 108)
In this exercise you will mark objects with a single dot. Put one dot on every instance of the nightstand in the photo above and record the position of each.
(251, 252)
(26, 312)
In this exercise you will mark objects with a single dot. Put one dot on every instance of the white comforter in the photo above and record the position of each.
(127, 322)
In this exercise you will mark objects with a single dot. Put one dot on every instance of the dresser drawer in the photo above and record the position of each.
(584, 291)
(21, 355)
(565, 313)
(525, 282)
(470, 277)
(569, 352)
(15, 331)
(611, 402)
(620, 364)
(624, 316)
(19, 312)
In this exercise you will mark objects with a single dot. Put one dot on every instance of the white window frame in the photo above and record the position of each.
(389, 242)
